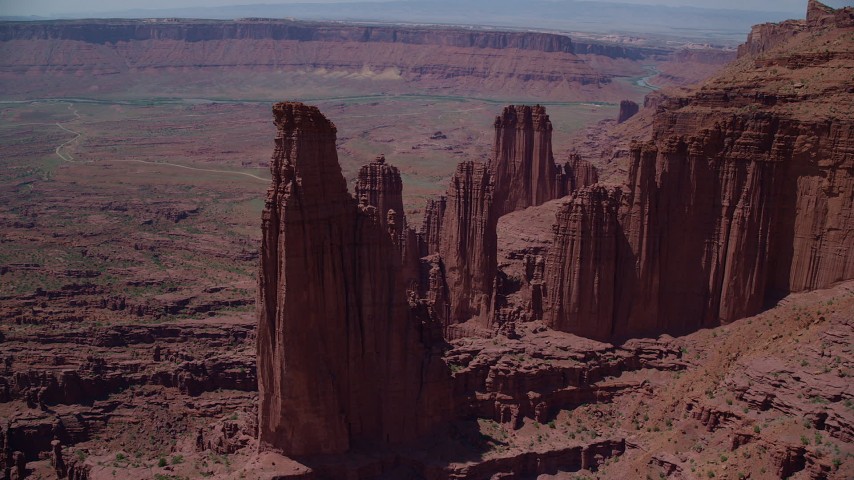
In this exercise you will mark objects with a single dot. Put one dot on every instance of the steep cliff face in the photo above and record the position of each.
(574, 174)
(768, 36)
(431, 227)
(379, 185)
(743, 195)
(468, 242)
(114, 31)
(117, 52)
(616, 51)
(628, 109)
(582, 263)
(343, 364)
(523, 161)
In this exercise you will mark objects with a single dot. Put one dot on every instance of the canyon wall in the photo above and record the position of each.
(113, 54)
(743, 195)
(628, 109)
(340, 356)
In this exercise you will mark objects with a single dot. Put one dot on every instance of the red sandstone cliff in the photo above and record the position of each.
(431, 226)
(340, 361)
(743, 194)
(523, 162)
(582, 263)
(379, 185)
(525, 172)
(468, 242)
(462, 226)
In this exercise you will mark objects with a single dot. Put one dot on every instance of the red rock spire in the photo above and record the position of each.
(340, 357)
(523, 164)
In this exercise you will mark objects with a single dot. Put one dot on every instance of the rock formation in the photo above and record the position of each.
(461, 226)
(379, 185)
(574, 174)
(340, 361)
(522, 159)
(382, 188)
(57, 460)
(461, 59)
(738, 199)
(431, 228)
(628, 109)
(469, 242)
(583, 263)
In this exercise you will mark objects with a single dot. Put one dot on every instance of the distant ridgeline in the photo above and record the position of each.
(458, 60)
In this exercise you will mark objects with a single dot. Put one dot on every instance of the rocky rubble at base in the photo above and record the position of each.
(546, 403)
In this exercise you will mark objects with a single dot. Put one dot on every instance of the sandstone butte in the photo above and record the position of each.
(742, 195)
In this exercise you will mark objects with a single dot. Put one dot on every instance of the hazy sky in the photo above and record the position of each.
(48, 7)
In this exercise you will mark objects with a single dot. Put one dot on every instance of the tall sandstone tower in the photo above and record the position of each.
(340, 356)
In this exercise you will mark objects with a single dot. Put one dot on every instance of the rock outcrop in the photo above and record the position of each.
(583, 263)
(469, 243)
(431, 227)
(738, 199)
(628, 109)
(522, 160)
(380, 185)
(461, 226)
(340, 360)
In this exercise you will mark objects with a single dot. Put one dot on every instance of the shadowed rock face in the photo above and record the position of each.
(583, 263)
(461, 226)
(340, 360)
(469, 242)
(739, 199)
(628, 109)
(431, 227)
(574, 174)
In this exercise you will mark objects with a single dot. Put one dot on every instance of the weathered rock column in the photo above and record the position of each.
(340, 359)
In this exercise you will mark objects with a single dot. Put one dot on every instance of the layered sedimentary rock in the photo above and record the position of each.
(743, 195)
(431, 227)
(379, 185)
(340, 360)
(468, 242)
(115, 31)
(583, 263)
(522, 159)
(767, 36)
(628, 109)
(461, 226)
(116, 52)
